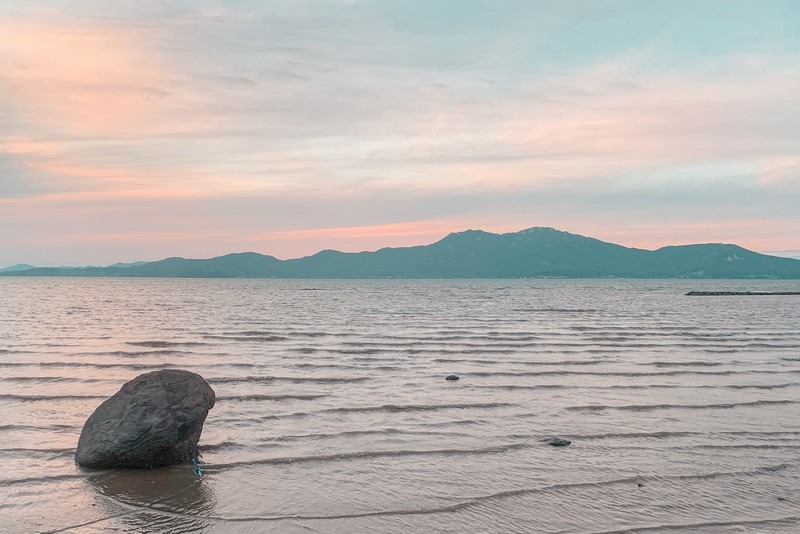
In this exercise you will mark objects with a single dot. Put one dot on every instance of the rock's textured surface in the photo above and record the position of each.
(154, 420)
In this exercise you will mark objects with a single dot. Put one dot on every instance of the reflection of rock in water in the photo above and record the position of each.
(170, 499)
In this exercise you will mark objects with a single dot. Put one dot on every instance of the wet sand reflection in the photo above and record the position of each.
(170, 499)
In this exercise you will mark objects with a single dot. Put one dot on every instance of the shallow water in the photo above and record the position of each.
(333, 414)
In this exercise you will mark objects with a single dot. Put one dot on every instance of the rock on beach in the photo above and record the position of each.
(154, 420)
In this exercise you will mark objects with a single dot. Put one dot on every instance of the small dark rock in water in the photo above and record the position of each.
(557, 442)
(154, 420)
(640, 485)
(452, 377)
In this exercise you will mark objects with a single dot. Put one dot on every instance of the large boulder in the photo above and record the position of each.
(154, 420)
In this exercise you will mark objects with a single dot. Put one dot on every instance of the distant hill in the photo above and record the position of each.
(123, 265)
(17, 267)
(531, 253)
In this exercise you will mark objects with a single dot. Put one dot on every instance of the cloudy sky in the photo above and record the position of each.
(139, 130)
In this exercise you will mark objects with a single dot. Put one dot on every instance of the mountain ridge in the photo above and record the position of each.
(536, 252)
(17, 267)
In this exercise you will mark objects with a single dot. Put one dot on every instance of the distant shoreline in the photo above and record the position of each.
(738, 293)
(473, 254)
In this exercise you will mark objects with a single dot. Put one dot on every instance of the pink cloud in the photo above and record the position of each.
(83, 79)
(781, 173)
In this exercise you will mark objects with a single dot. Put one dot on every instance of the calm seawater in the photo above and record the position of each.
(333, 414)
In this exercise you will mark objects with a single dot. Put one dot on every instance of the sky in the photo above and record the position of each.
(144, 129)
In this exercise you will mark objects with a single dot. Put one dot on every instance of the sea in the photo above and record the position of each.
(333, 414)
